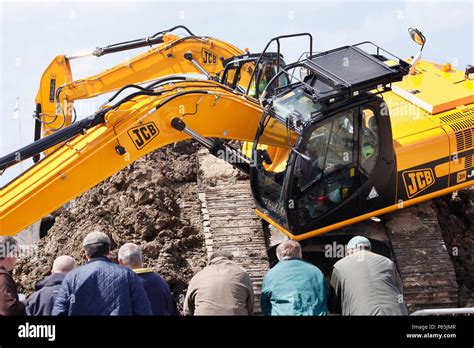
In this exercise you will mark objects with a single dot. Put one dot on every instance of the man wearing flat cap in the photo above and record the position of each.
(101, 287)
(365, 283)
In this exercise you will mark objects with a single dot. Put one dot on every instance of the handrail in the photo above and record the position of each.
(277, 39)
(444, 311)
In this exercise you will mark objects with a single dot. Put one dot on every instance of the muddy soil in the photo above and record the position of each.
(153, 202)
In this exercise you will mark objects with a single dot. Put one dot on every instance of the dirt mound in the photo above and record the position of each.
(153, 202)
(456, 218)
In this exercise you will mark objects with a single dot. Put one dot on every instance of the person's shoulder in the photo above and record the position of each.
(283, 266)
(34, 297)
(6, 277)
(272, 273)
(121, 273)
(342, 262)
(80, 270)
(204, 271)
(158, 277)
(92, 267)
(102, 264)
(236, 267)
(307, 266)
(202, 274)
(150, 276)
(115, 267)
(195, 280)
(377, 256)
(380, 258)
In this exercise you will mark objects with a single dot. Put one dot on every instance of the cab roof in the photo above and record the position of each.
(348, 71)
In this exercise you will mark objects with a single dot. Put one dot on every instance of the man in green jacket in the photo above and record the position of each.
(364, 283)
(293, 286)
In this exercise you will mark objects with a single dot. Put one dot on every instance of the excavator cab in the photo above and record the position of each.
(237, 72)
(323, 150)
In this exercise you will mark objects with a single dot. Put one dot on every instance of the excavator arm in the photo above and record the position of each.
(171, 108)
(173, 55)
(93, 149)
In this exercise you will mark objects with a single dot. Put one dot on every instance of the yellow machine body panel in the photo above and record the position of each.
(435, 90)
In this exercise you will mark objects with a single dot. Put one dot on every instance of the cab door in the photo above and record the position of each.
(342, 167)
(377, 162)
(325, 172)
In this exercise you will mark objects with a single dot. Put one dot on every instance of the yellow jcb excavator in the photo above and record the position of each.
(330, 140)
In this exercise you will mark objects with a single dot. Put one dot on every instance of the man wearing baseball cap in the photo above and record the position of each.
(101, 287)
(365, 283)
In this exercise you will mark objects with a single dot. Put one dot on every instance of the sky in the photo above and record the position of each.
(32, 33)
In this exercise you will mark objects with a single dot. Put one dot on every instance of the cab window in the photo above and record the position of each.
(369, 142)
(330, 176)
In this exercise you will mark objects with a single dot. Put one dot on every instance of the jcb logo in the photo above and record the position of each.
(417, 181)
(143, 134)
(461, 177)
(209, 58)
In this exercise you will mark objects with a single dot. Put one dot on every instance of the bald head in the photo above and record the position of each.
(63, 264)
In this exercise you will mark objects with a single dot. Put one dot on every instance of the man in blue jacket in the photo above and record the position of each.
(42, 301)
(159, 294)
(101, 287)
(293, 286)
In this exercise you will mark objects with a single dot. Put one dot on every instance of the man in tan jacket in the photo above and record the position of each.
(221, 288)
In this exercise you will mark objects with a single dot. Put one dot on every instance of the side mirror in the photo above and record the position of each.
(303, 166)
(469, 71)
(417, 36)
(420, 39)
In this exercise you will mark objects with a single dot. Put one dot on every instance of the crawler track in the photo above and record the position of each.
(428, 275)
(229, 220)
(230, 223)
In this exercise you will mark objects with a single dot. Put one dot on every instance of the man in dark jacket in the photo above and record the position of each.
(9, 302)
(101, 287)
(158, 291)
(42, 301)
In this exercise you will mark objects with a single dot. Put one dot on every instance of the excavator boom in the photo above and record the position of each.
(135, 128)
(173, 55)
